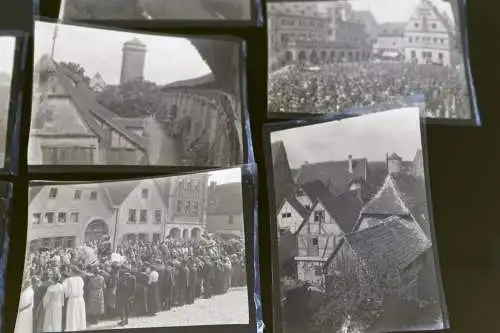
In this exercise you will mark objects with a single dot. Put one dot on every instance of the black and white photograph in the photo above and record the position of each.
(156, 252)
(185, 10)
(334, 56)
(108, 97)
(354, 236)
(7, 54)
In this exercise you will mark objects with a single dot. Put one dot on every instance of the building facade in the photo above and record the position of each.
(391, 39)
(225, 210)
(148, 210)
(430, 37)
(314, 34)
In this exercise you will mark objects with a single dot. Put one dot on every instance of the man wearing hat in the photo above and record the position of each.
(125, 294)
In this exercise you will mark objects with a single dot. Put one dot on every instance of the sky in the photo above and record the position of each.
(168, 59)
(226, 176)
(7, 50)
(395, 10)
(371, 136)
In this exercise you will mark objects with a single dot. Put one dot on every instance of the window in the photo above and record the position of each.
(318, 271)
(144, 193)
(68, 242)
(61, 217)
(434, 25)
(442, 40)
(49, 217)
(194, 208)
(143, 216)
(67, 155)
(286, 215)
(74, 217)
(435, 40)
(187, 208)
(52, 193)
(132, 216)
(157, 216)
(417, 25)
(315, 241)
(413, 54)
(58, 242)
(308, 207)
(196, 185)
(178, 208)
(77, 195)
(93, 195)
(319, 216)
(230, 220)
(37, 217)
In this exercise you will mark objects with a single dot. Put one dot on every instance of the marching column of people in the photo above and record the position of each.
(77, 291)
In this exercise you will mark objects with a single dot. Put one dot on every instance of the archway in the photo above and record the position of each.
(288, 57)
(356, 57)
(185, 234)
(332, 56)
(175, 233)
(195, 233)
(95, 230)
(323, 56)
(313, 58)
(342, 55)
(302, 56)
(349, 57)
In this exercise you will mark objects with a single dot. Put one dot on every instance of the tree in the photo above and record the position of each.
(75, 69)
(137, 98)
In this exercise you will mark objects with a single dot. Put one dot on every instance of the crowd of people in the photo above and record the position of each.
(337, 87)
(73, 289)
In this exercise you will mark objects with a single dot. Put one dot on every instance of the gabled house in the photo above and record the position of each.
(290, 215)
(322, 231)
(69, 126)
(225, 211)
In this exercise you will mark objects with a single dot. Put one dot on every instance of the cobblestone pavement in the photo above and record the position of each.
(230, 308)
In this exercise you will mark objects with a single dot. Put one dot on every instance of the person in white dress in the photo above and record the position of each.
(24, 321)
(53, 303)
(75, 310)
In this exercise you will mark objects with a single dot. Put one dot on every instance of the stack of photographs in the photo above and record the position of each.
(354, 244)
(160, 228)
(336, 56)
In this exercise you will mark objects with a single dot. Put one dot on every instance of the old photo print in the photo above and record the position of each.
(106, 97)
(7, 53)
(354, 232)
(334, 56)
(185, 10)
(157, 252)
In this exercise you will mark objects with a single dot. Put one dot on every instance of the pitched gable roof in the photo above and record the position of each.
(277, 148)
(118, 191)
(395, 157)
(87, 106)
(387, 201)
(316, 190)
(395, 243)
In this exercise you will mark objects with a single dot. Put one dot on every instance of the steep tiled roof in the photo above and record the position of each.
(395, 243)
(229, 199)
(189, 83)
(276, 149)
(387, 201)
(395, 156)
(316, 190)
(345, 209)
(334, 174)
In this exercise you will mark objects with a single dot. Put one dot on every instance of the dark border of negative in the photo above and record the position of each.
(475, 117)
(273, 232)
(246, 139)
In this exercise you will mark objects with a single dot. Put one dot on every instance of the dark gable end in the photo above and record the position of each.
(282, 174)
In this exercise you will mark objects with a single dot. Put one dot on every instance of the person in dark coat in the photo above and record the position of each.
(125, 294)
(95, 298)
(208, 272)
(169, 285)
(183, 283)
(191, 283)
(198, 279)
(141, 293)
(153, 296)
(38, 308)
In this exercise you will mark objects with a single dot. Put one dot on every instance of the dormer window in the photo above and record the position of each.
(319, 216)
(144, 193)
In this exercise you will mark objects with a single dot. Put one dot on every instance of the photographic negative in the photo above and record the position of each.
(189, 10)
(354, 235)
(7, 53)
(333, 56)
(120, 98)
(158, 252)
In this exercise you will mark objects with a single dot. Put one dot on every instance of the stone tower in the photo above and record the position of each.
(133, 59)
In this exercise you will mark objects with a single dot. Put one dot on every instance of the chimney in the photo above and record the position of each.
(350, 167)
